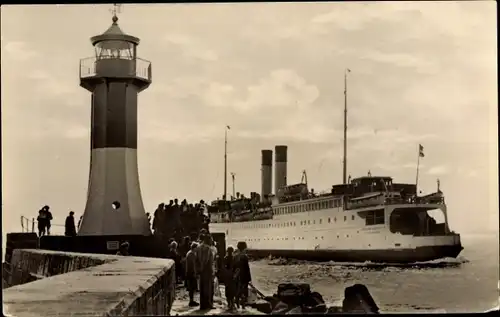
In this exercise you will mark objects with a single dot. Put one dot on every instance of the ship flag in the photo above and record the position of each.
(421, 150)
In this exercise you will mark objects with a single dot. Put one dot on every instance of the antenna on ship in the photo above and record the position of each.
(344, 174)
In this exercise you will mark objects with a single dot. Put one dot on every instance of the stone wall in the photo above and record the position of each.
(64, 283)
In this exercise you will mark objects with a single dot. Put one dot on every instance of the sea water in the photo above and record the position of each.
(466, 284)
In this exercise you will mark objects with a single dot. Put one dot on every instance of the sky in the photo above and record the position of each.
(421, 73)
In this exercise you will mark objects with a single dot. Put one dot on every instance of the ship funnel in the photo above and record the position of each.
(266, 174)
(280, 167)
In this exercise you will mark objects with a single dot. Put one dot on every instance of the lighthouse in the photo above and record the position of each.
(114, 76)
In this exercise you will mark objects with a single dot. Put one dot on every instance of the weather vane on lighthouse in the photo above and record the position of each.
(117, 8)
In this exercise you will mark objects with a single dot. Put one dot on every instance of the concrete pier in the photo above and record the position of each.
(88, 285)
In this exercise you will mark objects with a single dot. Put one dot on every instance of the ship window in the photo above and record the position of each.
(329, 220)
(375, 217)
(352, 217)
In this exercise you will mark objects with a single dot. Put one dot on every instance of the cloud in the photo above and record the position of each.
(19, 51)
(401, 60)
(219, 95)
(438, 170)
(49, 84)
(282, 88)
(191, 47)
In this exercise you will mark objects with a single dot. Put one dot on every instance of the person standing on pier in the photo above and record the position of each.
(227, 277)
(191, 280)
(80, 222)
(42, 223)
(69, 225)
(158, 219)
(204, 257)
(49, 218)
(242, 274)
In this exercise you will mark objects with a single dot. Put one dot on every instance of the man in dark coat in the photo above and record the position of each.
(242, 274)
(205, 258)
(227, 277)
(69, 226)
(190, 273)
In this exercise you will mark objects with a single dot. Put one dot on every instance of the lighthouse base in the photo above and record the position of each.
(143, 246)
(114, 203)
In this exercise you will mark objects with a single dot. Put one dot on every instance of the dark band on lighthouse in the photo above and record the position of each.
(114, 106)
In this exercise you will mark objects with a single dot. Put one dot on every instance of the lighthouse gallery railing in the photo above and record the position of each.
(142, 67)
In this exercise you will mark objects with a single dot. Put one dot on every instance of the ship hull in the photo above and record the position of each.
(418, 254)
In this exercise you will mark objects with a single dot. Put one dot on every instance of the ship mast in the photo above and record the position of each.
(224, 196)
(344, 173)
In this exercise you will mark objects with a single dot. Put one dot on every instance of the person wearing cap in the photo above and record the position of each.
(69, 225)
(123, 250)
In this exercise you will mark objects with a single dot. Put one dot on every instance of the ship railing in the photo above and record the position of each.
(413, 201)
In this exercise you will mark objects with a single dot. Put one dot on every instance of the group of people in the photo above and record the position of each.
(177, 220)
(196, 265)
(44, 221)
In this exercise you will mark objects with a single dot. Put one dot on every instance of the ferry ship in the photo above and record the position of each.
(368, 218)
